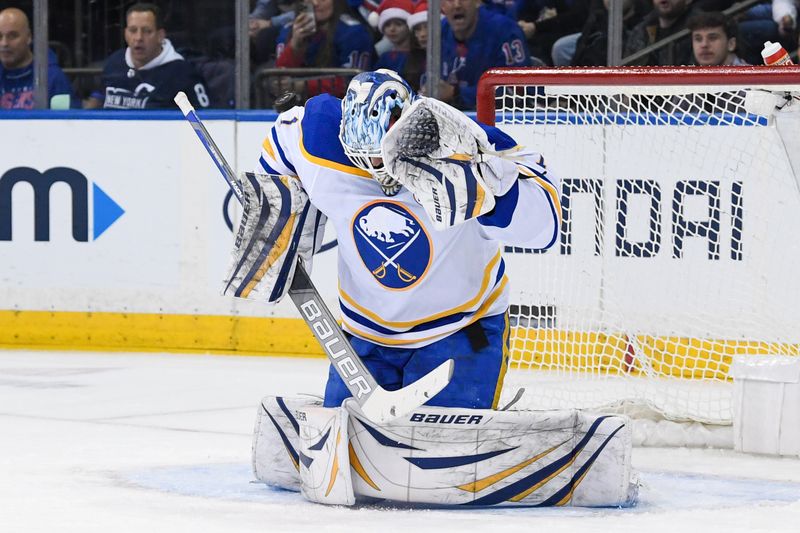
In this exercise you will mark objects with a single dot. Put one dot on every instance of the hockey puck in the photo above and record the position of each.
(286, 101)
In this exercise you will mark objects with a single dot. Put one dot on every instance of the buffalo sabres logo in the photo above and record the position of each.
(392, 244)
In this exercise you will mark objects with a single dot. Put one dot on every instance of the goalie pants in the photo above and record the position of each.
(480, 353)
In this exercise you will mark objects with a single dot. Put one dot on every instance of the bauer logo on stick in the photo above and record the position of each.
(392, 244)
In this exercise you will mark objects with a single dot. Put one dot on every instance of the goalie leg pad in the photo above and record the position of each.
(445, 456)
(324, 461)
(276, 441)
(299, 445)
(484, 458)
(278, 224)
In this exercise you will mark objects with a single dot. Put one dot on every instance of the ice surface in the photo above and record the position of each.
(147, 443)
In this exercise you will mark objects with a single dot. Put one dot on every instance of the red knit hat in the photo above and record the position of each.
(394, 9)
(419, 15)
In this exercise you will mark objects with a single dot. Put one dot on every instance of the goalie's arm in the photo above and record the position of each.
(461, 171)
(276, 155)
(276, 159)
(529, 213)
(527, 210)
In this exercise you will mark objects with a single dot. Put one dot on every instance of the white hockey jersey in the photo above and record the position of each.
(402, 283)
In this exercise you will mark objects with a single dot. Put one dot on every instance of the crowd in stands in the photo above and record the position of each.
(367, 34)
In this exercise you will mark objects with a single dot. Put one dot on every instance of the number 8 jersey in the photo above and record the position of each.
(153, 86)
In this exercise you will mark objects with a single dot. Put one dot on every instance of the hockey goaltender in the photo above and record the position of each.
(422, 199)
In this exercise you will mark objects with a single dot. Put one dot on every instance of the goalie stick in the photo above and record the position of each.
(375, 402)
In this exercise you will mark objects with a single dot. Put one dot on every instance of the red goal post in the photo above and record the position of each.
(679, 245)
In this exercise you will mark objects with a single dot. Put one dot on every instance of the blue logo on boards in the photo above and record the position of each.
(105, 211)
(392, 244)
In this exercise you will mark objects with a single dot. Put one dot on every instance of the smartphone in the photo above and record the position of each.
(305, 6)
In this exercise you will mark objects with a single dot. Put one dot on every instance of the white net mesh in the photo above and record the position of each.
(678, 249)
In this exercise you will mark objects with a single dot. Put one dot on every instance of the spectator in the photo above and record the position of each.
(468, 53)
(774, 20)
(590, 46)
(149, 72)
(330, 37)
(713, 44)
(418, 22)
(543, 25)
(511, 8)
(393, 24)
(16, 65)
(784, 13)
(265, 24)
(666, 18)
(713, 40)
(414, 69)
(270, 14)
(382, 44)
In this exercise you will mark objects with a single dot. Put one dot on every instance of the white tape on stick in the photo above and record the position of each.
(183, 103)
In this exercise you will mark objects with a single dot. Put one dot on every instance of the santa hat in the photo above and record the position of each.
(419, 15)
(394, 9)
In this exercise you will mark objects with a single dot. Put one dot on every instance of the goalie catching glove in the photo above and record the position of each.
(445, 159)
(278, 225)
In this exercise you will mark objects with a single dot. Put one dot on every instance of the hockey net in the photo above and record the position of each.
(679, 245)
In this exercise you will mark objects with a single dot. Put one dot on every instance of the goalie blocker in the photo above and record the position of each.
(278, 225)
(444, 456)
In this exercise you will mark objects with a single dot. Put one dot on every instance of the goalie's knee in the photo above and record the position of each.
(479, 352)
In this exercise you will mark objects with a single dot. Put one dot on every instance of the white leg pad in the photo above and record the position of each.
(445, 456)
(324, 457)
(276, 441)
(485, 458)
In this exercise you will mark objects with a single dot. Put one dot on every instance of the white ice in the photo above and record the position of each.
(149, 443)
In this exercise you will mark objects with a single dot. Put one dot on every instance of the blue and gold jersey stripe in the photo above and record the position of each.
(268, 147)
(281, 153)
(327, 163)
(421, 327)
(466, 306)
(266, 166)
(545, 184)
(401, 339)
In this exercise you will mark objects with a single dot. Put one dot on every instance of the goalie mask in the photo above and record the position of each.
(374, 100)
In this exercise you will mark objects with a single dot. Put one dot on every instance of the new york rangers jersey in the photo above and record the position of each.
(401, 282)
(498, 42)
(154, 85)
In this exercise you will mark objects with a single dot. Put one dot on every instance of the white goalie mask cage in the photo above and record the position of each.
(371, 101)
